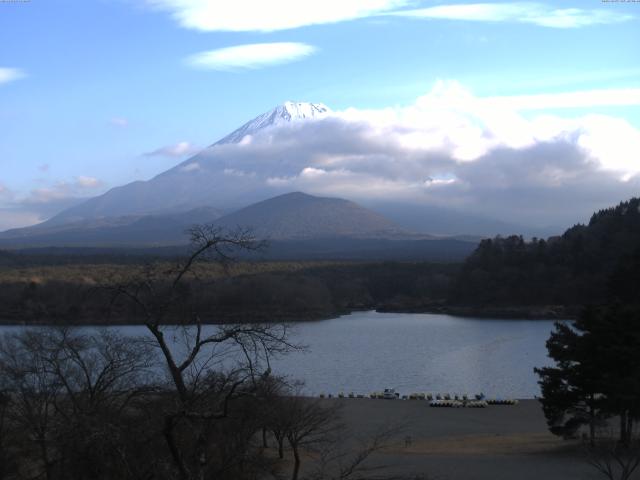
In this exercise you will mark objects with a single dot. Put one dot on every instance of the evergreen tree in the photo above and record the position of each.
(570, 270)
(571, 394)
(597, 372)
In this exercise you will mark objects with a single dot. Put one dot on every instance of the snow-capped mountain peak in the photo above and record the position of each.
(301, 110)
(287, 112)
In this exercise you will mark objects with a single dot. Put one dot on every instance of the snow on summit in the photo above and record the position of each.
(287, 112)
(301, 110)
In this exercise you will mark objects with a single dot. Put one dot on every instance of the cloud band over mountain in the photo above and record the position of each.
(450, 148)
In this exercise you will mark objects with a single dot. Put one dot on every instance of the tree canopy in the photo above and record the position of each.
(573, 269)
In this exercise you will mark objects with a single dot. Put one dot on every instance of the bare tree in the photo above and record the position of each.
(68, 394)
(308, 424)
(33, 391)
(614, 459)
(278, 423)
(270, 389)
(103, 370)
(7, 460)
(102, 376)
(208, 367)
(277, 418)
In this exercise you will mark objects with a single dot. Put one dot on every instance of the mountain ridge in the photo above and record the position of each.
(297, 215)
(193, 183)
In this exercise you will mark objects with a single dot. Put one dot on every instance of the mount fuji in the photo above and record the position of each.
(202, 180)
(282, 114)
(211, 186)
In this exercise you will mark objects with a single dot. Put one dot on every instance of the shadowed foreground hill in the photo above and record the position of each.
(301, 216)
(573, 269)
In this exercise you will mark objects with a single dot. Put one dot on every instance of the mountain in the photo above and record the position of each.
(155, 212)
(282, 114)
(200, 180)
(144, 230)
(301, 216)
(447, 221)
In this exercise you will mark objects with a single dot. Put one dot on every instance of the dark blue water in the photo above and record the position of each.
(368, 351)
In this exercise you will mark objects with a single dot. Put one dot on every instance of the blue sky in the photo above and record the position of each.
(88, 90)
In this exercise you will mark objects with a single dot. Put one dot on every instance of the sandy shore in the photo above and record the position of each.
(496, 443)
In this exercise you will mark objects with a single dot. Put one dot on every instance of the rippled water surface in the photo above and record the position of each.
(369, 351)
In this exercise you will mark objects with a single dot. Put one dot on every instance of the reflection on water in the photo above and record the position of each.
(368, 351)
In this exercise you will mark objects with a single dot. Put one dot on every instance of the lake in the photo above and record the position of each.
(369, 351)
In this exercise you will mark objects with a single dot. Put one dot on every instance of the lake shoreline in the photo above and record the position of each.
(512, 312)
(543, 312)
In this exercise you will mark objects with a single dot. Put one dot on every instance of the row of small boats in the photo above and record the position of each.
(473, 403)
(459, 404)
(435, 400)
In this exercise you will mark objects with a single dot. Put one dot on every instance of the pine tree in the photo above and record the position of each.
(597, 372)
(571, 391)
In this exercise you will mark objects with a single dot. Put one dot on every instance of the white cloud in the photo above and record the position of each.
(54, 193)
(250, 56)
(20, 210)
(10, 74)
(191, 167)
(343, 182)
(523, 12)
(260, 15)
(63, 190)
(6, 195)
(448, 148)
(232, 172)
(180, 149)
(119, 122)
(450, 118)
(88, 182)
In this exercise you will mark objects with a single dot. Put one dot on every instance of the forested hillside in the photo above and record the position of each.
(573, 269)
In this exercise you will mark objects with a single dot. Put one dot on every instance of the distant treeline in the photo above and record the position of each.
(272, 291)
(52, 256)
(326, 249)
(573, 269)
